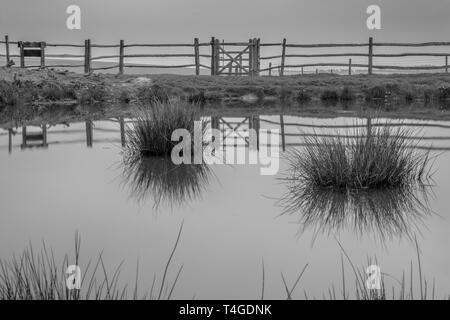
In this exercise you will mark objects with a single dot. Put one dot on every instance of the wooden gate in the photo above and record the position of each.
(235, 58)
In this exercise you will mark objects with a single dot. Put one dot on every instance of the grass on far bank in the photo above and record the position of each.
(25, 86)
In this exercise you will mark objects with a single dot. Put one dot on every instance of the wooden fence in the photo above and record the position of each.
(245, 60)
(369, 55)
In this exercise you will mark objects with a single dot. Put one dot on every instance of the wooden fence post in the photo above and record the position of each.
(197, 57)
(213, 56)
(258, 52)
(121, 56)
(240, 65)
(44, 135)
(122, 131)
(22, 57)
(250, 57)
(283, 138)
(87, 56)
(7, 50)
(369, 127)
(43, 54)
(349, 67)
(270, 69)
(10, 140)
(222, 55)
(216, 48)
(89, 133)
(370, 55)
(446, 64)
(302, 71)
(255, 58)
(24, 136)
(283, 57)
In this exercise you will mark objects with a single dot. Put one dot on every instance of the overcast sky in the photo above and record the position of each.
(181, 20)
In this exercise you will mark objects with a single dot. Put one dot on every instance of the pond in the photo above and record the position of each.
(71, 178)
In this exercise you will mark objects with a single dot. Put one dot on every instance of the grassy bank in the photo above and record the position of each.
(17, 85)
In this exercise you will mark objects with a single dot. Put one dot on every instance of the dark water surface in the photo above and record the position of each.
(230, 212)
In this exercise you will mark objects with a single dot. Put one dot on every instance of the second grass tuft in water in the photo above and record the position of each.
(372, 157)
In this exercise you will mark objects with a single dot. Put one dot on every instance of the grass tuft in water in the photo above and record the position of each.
(151, 133)
(367, 158)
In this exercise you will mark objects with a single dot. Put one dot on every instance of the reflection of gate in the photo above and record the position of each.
(235, 58)
(233, 130)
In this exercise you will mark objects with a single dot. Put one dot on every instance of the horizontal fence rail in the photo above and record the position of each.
(218, 57)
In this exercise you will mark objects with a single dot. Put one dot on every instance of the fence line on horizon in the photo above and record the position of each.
(244, 58)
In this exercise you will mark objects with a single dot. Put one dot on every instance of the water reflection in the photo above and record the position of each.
(381, 213)
(33, 139)
(164, 181)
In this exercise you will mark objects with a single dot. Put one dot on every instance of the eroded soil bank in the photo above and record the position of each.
(57, 96)
(51, 85)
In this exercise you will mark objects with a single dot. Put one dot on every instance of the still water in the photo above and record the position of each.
(233, 223)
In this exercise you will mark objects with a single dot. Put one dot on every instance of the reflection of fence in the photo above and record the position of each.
(235, 132)
(245, 59)
(33, 139)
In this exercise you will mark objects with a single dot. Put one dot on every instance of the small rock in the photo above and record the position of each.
(140, 81)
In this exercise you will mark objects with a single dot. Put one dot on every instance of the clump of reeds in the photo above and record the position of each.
(443, 93)
(151, 133)
(54, 92)
(154, 93)
(368, 158)
(8, 93)
(197, 97)
(329, 95)
(303, 96)
(346, 95)
(92, 94)
(375, 93)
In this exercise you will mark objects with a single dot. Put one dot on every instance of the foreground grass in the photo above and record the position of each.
(36, 276)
